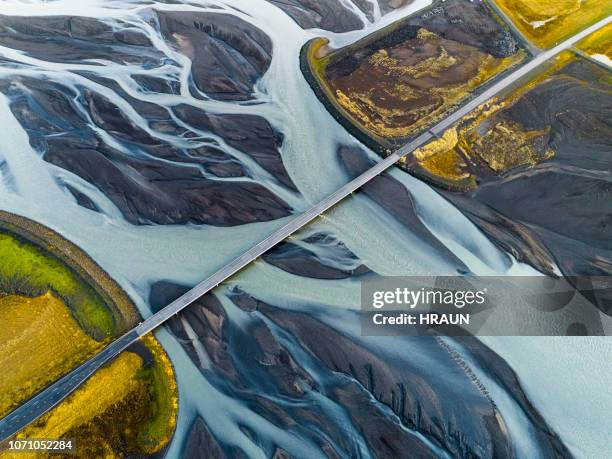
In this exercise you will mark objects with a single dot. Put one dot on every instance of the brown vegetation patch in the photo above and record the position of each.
(394, 84)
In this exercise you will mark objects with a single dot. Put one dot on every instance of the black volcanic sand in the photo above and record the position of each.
(559, 210)
(160, 183)
(73, 39)
(310, 258)
(329, 15)
(228, 54)
(249, 133)
(461, 21)
(383, 396)
(332, 15)
(150, 180)
(394, 198)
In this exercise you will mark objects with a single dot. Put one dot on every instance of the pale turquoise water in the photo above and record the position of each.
(564, 375)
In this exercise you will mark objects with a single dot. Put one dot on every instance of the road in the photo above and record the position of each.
(56, 392)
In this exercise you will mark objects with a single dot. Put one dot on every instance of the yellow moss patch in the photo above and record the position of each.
(441, 159)
(125, 408)
(484, 144)
(54, 300)
(598, 43)
(106, 388)
(46, 259)
(507, 145)
(87, 272)
(39, 342)
(431, 66)
(448, 141)
(494, 105)
(28, 270)
(447, 165)
(547, 22)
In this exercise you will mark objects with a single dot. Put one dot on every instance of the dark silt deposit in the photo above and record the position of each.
(81, 198)
(557, 211)
(73, 39)
(228, 55)
(250, 133)
(201, 444)
(329, 15)
(333, 15)
(158, 163)
(319, 256)
(344, 394)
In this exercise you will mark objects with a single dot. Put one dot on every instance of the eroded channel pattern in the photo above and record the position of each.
(167, 115)
(114, 120)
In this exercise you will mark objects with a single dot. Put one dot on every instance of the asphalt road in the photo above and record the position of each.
(56, 392)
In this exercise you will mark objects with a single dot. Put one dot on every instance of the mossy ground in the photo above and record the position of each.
(392, 85)
(548, 22)
(393, 99)
(78, 277)
(127, 408)
(31, 271)
(39, 342)
(598, 43)
(58, 307)
(52, 319)
(163, 399)
(484, 144)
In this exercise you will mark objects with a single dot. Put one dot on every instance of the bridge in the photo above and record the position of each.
(53, 394)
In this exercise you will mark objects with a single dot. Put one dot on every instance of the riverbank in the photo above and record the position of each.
(70, 265)
(59, 308)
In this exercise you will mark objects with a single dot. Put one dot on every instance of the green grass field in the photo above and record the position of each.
(26, 269)
(163, 398)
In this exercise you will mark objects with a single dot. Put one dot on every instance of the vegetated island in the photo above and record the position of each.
(394, 84)
(491, 141)
(127, 408)
(58, 308)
